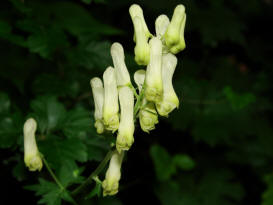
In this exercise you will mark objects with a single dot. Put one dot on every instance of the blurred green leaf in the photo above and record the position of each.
(238, 101)
(267, 196)
(72, 149)
(48, 112)
(183, 161)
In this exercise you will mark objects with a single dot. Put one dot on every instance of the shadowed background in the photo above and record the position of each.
(215, 149)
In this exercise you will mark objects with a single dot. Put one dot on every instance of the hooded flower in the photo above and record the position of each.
(32, 156)
(98, 95)
(136, 10)
(147, 114)
(153, 80)
(110, 105)
(141, 35)
(122, 74)
(174, 36)
(111, 182)
(170, 100)
(126, 128)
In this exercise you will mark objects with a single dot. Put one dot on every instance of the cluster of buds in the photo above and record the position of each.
(115, 107)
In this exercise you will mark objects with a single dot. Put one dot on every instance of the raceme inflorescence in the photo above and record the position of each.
(115, 107)
(118, 104)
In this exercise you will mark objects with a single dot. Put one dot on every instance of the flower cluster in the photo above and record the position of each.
(115, 107)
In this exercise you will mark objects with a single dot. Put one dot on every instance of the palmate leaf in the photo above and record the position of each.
(10, 123)
(215, 187)
(48, 112)
(166, 165)
(57, 151)
(50, 192)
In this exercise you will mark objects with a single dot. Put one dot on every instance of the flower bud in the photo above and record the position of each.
(139, 78)
(161, 24)
(153, 80)
(110, 105)
(147, 114)
(32, 156)
(136, 10)
(172, 35)
(142, 49)
(126, 128)
(111, 182)
(122, 74)
(98, 95)
(181, 44)
(170, 100)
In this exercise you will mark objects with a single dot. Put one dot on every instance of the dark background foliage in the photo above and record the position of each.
(215, 149)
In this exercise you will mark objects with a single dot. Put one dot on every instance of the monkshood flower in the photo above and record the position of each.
(181, 45)
(98, 95)
(122, 74)
(153, 80)
(141, 35)
(174, 35)
(110, 105)
(136, 10)
(126, 128)
(32, 156)
(147, 114)
(170, 100)
(111, 182)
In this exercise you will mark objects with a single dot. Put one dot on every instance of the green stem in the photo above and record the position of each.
(53, 175)
(134, 91)
(138, 102)
(95, 173)
(62, 188)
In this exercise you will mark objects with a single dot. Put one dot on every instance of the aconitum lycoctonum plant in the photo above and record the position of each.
(118, 105)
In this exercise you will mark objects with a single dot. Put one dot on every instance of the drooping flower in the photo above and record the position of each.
(98, 95)
(147, 114)
(32, 156)
(141, 35)
(170, 100)
(126, 128)
(153, 80)
(111, 182)
(122, 74)
(136, 10)
(110, 105)
(174, 36)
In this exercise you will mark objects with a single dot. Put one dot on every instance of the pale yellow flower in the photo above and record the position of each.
(111, 182)
(32, 156)
(153, 80)
(170, 100)
(110, 105)
(126, 128)
(174, 36)
(98, 95)
(122, 74)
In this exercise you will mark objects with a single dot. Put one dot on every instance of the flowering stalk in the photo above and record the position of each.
(110, 106)
(32, 156)
(98, 95)
(170, 100)
(111, 182)
(126, 128)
